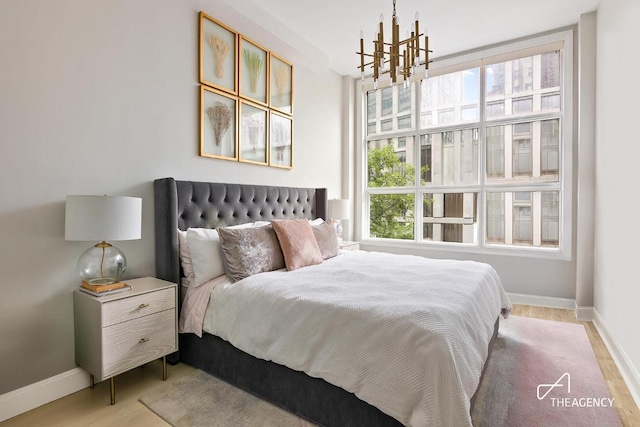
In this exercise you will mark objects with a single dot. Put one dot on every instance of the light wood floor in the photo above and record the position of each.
(91, 407)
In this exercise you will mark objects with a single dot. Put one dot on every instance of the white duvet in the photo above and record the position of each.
(406, 334)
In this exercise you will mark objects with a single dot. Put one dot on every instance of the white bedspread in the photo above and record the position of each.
(406, 334)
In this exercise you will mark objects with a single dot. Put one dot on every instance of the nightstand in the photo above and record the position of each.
(121, 331)
(349, 246)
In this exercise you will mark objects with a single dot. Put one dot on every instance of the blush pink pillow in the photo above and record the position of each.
(298, 243)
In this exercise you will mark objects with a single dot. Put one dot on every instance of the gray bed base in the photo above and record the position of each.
(184, 204)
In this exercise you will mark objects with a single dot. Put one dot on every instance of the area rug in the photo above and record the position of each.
(541, 373)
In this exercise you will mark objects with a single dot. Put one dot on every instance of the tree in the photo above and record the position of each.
(391, 215)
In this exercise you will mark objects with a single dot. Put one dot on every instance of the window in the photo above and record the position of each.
(425, 157)
(549, 152)
(371, 104)
(495, 109)
(445, 116)
(550, 218)
(550, 102)
(387, 101)
(495, 217)
(404, 99)
(495, 152)
(522, 157)
(404, 122)
(483, 164)
(446, 89)
(522, 74)
(495, 80)
(550, 69)
(522, 105)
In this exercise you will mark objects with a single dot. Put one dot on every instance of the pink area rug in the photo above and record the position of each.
(543, 373)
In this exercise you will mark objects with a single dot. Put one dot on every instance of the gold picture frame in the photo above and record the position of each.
(218, 124)
(253, 123)
(218, 54)
(253, 71)
(281, 84)
(280, 140)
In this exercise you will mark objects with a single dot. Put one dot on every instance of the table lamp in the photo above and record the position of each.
(102, 218)
(338, 210)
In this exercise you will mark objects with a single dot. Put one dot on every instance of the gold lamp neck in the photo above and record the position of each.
(103, 245)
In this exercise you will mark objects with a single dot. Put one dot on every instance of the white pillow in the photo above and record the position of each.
(316, 221)
(206, 253)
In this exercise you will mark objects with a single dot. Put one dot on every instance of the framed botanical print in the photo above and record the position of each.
(218, 55)
(280, 140)
(281, 84)
(253, 133)
(218, 124)
(253, 65)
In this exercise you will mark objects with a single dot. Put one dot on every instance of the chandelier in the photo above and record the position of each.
(403, 56)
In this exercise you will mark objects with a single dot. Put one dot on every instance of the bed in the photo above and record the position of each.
(187, 204)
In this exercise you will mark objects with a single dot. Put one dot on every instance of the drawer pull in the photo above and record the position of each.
(143, 340)
(143, 305)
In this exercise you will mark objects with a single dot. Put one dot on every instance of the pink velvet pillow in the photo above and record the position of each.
(298, 243)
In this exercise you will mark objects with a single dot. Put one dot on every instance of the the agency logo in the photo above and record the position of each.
(564, 382)
(550, 387)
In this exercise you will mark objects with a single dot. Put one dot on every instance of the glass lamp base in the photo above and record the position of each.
(102, 264)
(338, 225)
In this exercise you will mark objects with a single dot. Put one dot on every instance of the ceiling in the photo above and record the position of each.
(329, 30)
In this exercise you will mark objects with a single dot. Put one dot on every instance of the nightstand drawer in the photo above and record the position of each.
(133, 343)
(125, 309)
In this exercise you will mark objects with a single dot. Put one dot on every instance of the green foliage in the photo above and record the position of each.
(391, 215)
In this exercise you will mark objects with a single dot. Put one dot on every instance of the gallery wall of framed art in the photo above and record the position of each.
(246, 98)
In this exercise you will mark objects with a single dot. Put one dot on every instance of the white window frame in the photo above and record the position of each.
(456, 63)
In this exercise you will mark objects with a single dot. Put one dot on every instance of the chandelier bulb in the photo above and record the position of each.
(362, 75)
(381, 17)
(361, 34)
(375, 85)
(417, 16)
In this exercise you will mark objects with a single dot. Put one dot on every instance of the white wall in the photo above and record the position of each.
(585, 155)
(616, 284)
(102, 97)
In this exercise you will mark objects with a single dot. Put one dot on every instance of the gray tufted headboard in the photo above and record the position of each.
(184, 204)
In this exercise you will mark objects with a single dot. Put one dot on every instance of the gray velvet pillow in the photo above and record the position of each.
(327, 239)
(249, 251)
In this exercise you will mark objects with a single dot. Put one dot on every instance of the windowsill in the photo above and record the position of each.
(538, 253)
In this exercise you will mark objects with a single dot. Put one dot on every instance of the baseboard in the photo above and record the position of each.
(584, 314)
(37, 394)
(541, 301)
(625, 366)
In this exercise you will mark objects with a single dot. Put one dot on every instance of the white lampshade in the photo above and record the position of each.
(339, 208)
(91, 218)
